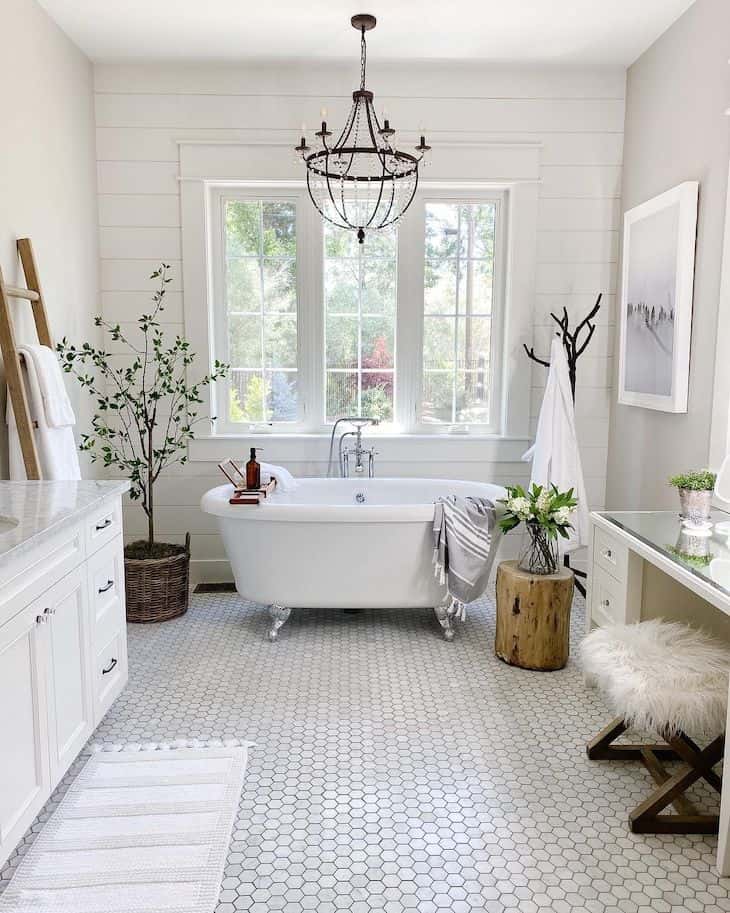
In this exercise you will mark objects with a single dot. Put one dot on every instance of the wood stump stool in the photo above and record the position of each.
(533, 617)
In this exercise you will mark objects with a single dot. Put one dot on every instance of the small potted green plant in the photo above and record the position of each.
(546, 513)
(695, 496)
(144, 417)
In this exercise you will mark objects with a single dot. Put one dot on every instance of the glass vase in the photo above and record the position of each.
(539, 553)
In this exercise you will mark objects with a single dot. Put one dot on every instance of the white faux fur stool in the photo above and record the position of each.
(673, 680)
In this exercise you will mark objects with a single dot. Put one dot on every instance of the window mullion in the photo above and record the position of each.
(310, 270)
(409, 317)
(262, 292)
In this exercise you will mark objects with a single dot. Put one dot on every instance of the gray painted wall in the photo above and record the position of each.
(48, 180)
(676, 130)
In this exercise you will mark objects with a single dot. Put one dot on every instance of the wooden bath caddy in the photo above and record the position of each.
(241, 494)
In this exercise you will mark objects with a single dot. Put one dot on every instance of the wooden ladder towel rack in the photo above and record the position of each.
(11, 357)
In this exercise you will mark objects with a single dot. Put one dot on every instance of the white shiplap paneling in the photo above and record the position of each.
(575, 115)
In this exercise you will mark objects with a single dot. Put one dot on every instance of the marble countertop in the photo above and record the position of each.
(31, 511)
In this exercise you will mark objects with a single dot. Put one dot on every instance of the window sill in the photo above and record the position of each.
(392, 448)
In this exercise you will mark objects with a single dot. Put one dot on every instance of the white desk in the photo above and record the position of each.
(644, 566)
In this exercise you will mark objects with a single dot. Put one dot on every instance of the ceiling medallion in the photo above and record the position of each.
(361, 181)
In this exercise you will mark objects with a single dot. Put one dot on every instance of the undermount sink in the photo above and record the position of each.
(7, 524)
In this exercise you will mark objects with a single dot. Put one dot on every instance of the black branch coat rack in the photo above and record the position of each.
(572, 343)
(574, 347)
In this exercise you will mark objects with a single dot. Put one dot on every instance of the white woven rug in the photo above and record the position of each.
(137, 832)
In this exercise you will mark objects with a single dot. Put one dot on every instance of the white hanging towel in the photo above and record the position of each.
(555, 455)
(54, 438)
(56, 403)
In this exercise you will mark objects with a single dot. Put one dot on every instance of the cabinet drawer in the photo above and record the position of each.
(610, 554)
(110, 673)
(103, 525)
(23, 580)
(608, 599)
(106, 592)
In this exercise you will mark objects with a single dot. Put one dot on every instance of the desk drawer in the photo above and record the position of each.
(610, 554)
(608, 599)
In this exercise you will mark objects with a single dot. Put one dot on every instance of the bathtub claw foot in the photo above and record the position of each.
(279, 615)
(445, 616)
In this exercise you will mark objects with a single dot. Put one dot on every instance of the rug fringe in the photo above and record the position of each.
(97, 747)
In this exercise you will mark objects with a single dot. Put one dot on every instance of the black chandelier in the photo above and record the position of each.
(361, 181)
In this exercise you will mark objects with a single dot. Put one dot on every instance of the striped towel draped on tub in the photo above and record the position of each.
(462, 542)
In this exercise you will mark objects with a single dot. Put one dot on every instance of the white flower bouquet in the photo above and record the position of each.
(547, 514)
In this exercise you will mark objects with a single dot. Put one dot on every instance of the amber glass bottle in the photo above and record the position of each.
(253, 472)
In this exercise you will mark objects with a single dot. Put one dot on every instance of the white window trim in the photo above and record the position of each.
(309, 336)
(411, 310)
(520, 213)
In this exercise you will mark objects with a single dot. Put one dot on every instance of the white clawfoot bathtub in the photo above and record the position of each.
(341, 544)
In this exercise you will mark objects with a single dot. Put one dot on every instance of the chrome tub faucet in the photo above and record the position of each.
(362, 455)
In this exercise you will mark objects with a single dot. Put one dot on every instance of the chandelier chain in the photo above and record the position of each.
(363, 59)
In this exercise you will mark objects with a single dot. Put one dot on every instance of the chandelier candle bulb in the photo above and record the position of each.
(362, 183)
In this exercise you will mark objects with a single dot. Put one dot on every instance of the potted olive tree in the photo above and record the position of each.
(144, 417)
(695, 495)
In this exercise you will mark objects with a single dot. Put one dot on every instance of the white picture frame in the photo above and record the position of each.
(656, 300)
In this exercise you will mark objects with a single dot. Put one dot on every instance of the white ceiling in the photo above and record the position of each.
(560, 31)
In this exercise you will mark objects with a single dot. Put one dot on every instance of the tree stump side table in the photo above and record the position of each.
(533, 617)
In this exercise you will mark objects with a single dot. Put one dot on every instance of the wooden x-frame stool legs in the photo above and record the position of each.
(698, 764)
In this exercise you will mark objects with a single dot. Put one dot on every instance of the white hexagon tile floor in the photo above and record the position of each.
(394, 771)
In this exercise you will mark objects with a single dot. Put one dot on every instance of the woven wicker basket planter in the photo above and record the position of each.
(157, 588)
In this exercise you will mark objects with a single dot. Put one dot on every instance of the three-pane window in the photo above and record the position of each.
(315, 326)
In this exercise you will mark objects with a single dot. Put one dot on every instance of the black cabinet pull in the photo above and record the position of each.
(104, 589)
(112, 664)
(107, 522)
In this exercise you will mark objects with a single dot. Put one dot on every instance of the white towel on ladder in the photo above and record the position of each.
(56, 404)
(57, 452)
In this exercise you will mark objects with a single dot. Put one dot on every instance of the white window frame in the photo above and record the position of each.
(311, 372)
(390, 427)
(309, 339)
(411, 247)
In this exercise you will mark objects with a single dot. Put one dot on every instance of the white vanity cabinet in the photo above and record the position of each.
(25, 782)
(63, 656)
(614, 579)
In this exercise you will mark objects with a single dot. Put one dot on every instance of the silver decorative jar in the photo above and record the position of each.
(692, 546)
(695, 506)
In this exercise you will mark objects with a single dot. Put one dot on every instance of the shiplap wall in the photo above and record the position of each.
(577, 115)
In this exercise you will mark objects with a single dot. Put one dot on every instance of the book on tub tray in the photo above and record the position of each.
(241, 494)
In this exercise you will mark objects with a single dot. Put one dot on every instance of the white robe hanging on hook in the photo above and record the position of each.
(555, 454)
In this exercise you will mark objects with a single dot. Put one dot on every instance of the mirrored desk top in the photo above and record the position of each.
(707, 556)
